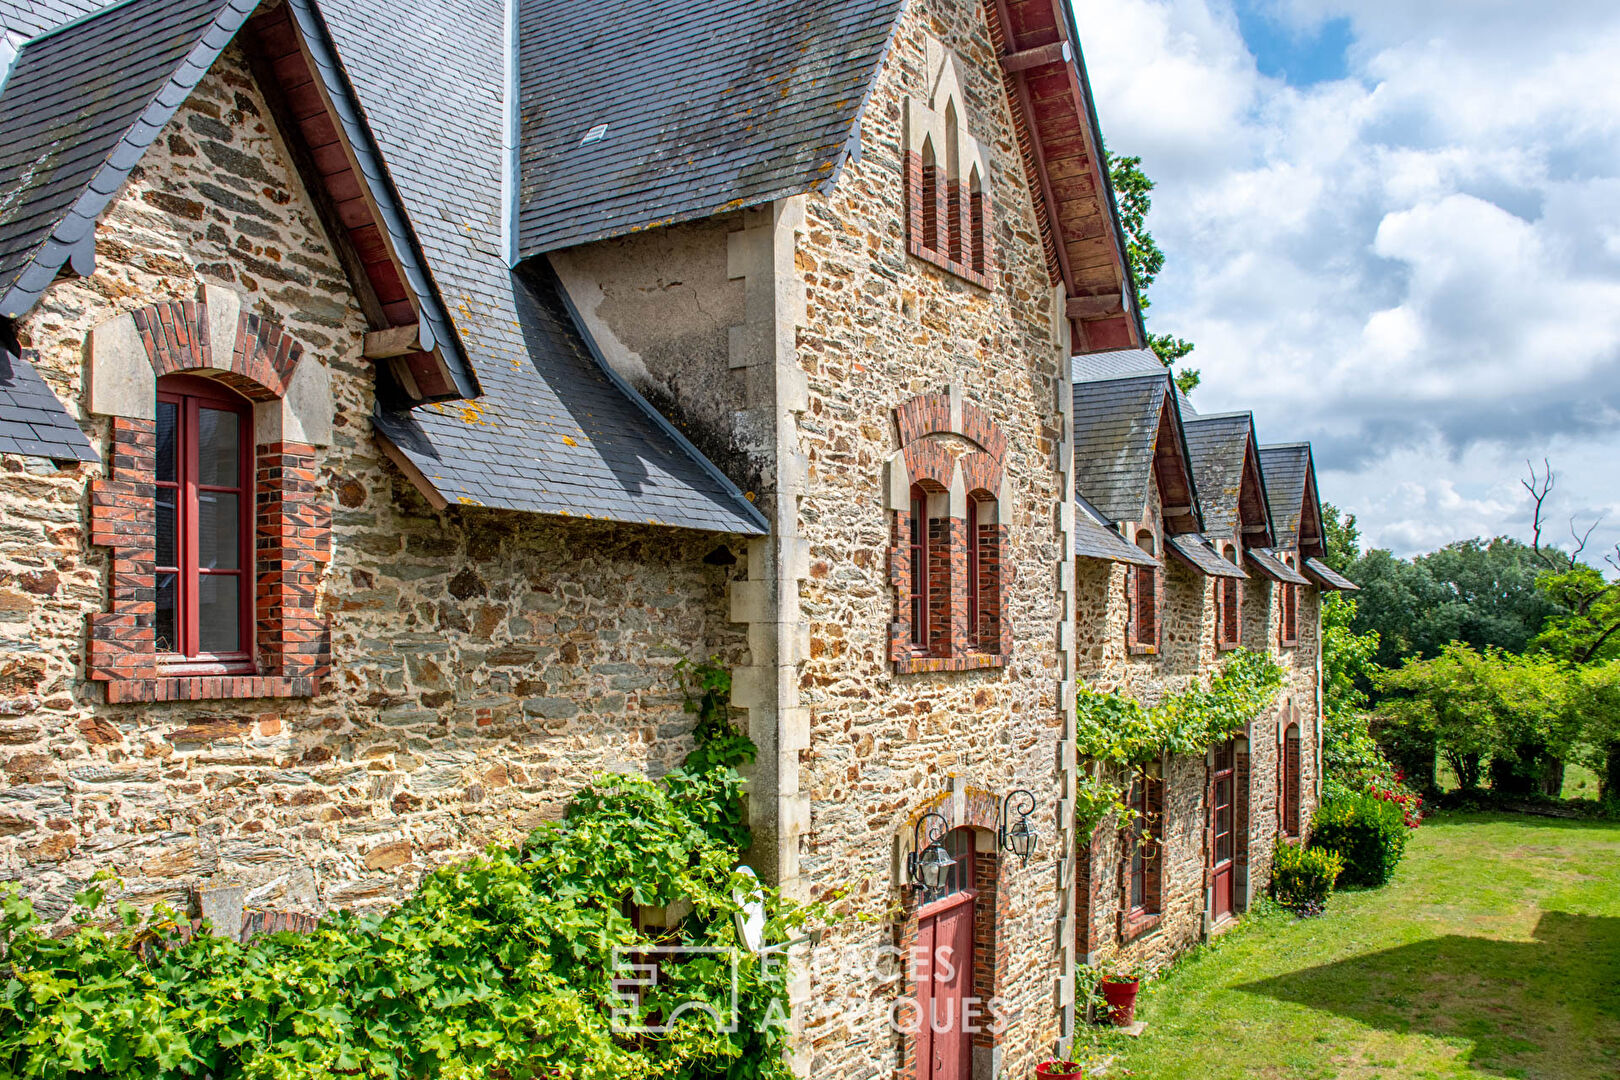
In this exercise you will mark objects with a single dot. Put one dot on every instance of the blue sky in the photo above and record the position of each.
(1392, 227)
(1299, 55)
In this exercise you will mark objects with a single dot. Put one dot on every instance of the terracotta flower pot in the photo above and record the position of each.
(1121, 998)
(1058, 1070)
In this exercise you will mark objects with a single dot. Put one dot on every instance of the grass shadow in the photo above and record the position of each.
(1548, 1008)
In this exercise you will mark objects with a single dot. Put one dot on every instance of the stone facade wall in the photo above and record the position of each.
(484, 664)
(1189, 653)
(882, 326)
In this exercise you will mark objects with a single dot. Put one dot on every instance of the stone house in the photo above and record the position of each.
(377, 436)
(1178, 561)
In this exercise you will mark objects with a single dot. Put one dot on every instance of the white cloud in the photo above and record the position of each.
(1416, 266)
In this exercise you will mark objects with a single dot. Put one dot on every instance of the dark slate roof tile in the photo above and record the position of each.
(1197, 553)
(1096, 538)
(1328, 577)
(555, 431)
(32, 421)
(1218, 445)
(1116, 425)
(30, 18)
(80, 106)
(1270, 564)
(1285, 467)
(708, 107)
(1121, 363)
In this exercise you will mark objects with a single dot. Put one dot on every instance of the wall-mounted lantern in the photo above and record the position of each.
(929, 867)
(1018, 838)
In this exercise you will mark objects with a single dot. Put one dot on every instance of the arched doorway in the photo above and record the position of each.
(946, 1005)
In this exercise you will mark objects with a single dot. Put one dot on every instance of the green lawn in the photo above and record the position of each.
(1494, 953)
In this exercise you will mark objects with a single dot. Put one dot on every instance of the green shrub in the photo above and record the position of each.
(1369, 832)
(1302, 878)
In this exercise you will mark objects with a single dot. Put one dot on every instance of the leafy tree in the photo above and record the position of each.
(1480, 592)
(1343, 538)
(1133, 195)
(1597, 704)
(1488, 708)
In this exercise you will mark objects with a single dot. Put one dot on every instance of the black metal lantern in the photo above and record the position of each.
(929, 867)
(1018, 837)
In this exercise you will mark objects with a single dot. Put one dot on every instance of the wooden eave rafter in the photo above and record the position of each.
(330, 173)
(1254, 515)
(1074, 211)
(1173, 474)
(1310, 541)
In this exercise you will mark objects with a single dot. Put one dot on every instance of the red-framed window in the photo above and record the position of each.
(1290, 614)
(1145, 607)
(973, 562)
(1228, 607)
(1225, 789)
(918, 581)
(1145, 836)
(1290, 777)
(204, 496)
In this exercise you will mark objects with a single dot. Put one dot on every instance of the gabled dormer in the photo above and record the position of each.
(1237, 516)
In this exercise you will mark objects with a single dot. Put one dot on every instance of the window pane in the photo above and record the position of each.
(219, 444)
(168, 440)
(219, 536)
(168, 540)
(168, 612)
(220, 629)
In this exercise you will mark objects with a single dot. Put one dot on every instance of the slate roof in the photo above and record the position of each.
(1266, 561)
(30, 18)
(79, 108)
(708, 106)
(32, 420)
(1116, 425)
(1285, 467)
(1219, 445)
(1096, 538)
(1198, 554)
(555, 431)
(1113, 365)
(1329, 578)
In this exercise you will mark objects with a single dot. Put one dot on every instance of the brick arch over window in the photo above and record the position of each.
(979, 810)
(968, 508)
(211, 337)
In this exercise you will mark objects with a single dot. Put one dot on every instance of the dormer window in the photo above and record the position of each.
(1142, 595)
(1289, 600)
(1228, 606)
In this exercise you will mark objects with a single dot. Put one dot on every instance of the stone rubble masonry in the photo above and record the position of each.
(484, 665)
(1190, 653)
(884, 328)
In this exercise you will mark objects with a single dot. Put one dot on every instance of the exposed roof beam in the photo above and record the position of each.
(1058, 52)
(394, 341)
(1091, 307)
(1177, 511)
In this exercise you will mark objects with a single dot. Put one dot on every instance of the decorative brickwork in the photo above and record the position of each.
(949, 222)
(927, 424)
(292, 544)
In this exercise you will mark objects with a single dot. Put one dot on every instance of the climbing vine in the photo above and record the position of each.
(500, 966)
(1121, 735)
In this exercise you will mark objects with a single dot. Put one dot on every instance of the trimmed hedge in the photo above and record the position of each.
(1368, 832)
(1302, 878)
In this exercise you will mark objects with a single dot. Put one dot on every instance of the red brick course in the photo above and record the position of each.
(293, 536)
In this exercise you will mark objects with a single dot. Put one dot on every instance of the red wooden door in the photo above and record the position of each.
(1225, 789)
(945, 973)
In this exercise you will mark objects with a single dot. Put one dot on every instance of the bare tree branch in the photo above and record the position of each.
(1581, 538)
(1540, 486)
